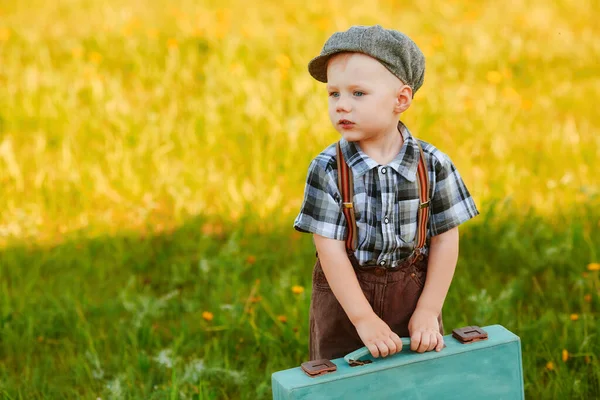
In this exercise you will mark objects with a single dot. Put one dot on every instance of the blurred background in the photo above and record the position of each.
(153, 157)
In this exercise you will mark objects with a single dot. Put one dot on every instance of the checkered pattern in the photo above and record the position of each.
(386, 199)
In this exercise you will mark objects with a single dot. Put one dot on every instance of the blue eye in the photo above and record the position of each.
(336, 94)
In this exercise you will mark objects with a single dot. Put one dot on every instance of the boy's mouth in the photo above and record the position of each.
(345, 122)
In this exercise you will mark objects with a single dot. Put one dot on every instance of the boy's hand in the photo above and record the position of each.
(425, 332)
(378, 337)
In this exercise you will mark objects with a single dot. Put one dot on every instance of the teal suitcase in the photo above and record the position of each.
(477, 363)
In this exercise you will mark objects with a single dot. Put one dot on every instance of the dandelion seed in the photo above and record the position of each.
(297, 289)
(588, 298)
(494, 77)
(565, 355)
(165, 358)
(207, 315)
(593, 267)
(574, 317)
(550, 366)
(282, 319)
(250, 260)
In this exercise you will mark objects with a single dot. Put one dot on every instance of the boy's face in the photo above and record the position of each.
(362, 91)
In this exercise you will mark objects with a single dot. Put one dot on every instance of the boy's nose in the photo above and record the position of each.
(342, 105)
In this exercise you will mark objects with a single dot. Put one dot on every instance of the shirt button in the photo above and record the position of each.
(383, 170)
(386, 220)
(382, 262)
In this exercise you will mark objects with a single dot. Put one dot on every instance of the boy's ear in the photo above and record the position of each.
(404, 96)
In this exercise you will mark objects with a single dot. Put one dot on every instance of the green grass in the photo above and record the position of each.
(121, 316)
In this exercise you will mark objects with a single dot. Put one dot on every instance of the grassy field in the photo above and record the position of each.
(153, 157)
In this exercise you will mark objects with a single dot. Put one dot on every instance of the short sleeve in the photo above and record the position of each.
(321, 208)
(451, 202)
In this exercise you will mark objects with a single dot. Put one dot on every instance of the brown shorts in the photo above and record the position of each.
(393, 295)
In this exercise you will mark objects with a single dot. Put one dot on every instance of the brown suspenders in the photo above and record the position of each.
(346, 186)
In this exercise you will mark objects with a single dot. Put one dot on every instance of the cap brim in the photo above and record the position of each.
(317, 67)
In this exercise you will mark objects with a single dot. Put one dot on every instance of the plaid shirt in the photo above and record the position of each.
(386, 199)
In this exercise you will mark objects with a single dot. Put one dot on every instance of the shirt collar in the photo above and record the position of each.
(405, 163)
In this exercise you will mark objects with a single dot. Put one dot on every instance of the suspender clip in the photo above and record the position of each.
(425, 205)
(348, 205)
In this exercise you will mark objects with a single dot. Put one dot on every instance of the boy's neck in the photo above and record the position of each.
(384, 149)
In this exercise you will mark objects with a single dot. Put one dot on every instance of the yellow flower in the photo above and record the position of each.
(4, 34)
(565, 355)
(152, 33)
(256, 299)
(593, 267)
(282, 318)
(297, 289)
(494, 77)
(526, 104)
(587, 359)
(283, 61)
(207, 315)
(251, 260)
(95, 57)
(574, 317)
(550, 366)
(77, 52)
(588, 298)
(172, 43)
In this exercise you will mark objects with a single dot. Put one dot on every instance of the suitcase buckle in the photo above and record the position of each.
(318, 367)
(469, 334)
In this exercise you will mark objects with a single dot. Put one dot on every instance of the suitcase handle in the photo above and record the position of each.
(354, 358)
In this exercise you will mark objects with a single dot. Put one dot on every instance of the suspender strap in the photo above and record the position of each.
(424, 201)
(346, 186)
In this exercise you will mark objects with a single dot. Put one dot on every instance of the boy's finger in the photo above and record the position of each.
(433, 341)
(424, 343)
(440, 344)
(391, 346)
(398, 342)
(373, 349)
(415, 341)
(383, 349)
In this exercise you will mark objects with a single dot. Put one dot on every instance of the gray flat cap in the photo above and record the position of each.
(396, 51)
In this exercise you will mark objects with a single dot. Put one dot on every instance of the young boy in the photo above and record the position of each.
(383, 206)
